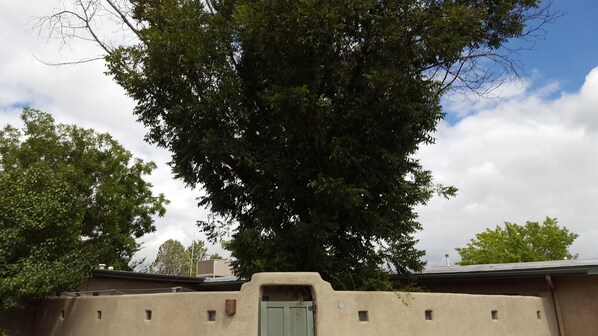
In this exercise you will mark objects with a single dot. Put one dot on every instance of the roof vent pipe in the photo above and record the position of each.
(448, 262)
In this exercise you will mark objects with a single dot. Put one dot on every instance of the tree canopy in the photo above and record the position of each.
(300, 119)
(70, 198)
(174, 259)
(196, 251)
(519, 243)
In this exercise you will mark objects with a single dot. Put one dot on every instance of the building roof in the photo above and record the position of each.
(231, 283)
(509, 270)
(103, 273)
(522, 269)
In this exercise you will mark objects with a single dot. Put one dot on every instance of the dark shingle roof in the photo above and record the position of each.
(537, 268)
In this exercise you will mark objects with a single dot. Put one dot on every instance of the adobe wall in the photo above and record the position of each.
(388, 313)
(578, 300)
(143, 314)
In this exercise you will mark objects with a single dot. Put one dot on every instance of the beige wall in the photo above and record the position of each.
(577, 297)
(388, 313)
(214, 268)
(171, 314)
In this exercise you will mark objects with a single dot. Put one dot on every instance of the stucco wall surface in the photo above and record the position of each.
(578, 299)
(338, 312)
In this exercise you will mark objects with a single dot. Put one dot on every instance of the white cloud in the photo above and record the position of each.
(522, 158)
(462, 104)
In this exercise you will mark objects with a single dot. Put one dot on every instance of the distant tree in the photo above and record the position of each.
(516, 243)
(174, 259)
(215, 256)
(196, 251)
(171, 259)
(70, 198)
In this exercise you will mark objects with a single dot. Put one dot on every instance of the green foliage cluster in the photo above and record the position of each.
(70, 198)
(174, 259)
(533, 241)
(215, 256)
(300, 119)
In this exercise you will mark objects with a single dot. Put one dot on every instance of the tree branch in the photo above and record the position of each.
(123, 17)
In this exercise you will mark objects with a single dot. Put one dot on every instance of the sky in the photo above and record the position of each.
(527, 151)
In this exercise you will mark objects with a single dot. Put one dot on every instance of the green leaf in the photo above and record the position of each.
(70, 198)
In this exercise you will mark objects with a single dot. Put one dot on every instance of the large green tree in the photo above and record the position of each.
(533, 241)
(70, 198)
(300, 119)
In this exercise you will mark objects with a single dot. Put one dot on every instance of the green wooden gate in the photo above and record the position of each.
(286, 318)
